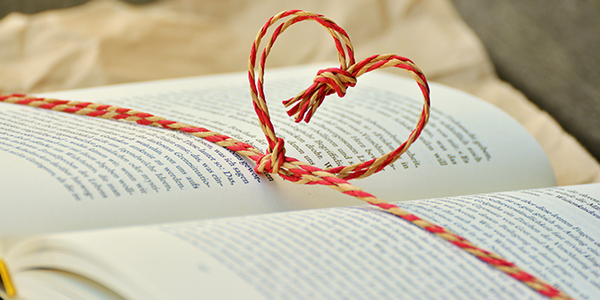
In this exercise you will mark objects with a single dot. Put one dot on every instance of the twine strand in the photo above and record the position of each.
(291, 170)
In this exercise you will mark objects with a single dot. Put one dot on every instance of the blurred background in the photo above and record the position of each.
(549, 50)
(35, 6)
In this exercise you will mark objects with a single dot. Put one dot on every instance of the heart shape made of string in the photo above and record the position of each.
(328, 81)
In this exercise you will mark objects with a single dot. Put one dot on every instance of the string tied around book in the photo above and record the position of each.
(275, 161)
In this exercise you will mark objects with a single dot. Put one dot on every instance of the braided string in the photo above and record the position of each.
(296, 171)
(328, 81)
(274, 161)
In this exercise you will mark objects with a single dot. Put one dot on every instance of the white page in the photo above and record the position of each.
(552, 233)
(359, 253)
(176, 277)
(129, 167)
(346, 253)
(56, 285)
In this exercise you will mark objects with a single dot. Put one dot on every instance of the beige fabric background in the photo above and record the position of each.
(108, 42)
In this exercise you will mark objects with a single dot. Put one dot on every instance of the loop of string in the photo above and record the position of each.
(328, 81)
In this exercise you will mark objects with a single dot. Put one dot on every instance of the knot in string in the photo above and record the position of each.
(336, 79)
(271, 161)
(326, 82)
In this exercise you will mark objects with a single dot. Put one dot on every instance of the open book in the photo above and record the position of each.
(62, 172)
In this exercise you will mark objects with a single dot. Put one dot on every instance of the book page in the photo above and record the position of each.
(552, 233)
(355, 252)
(62, 171)
(57, 285)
